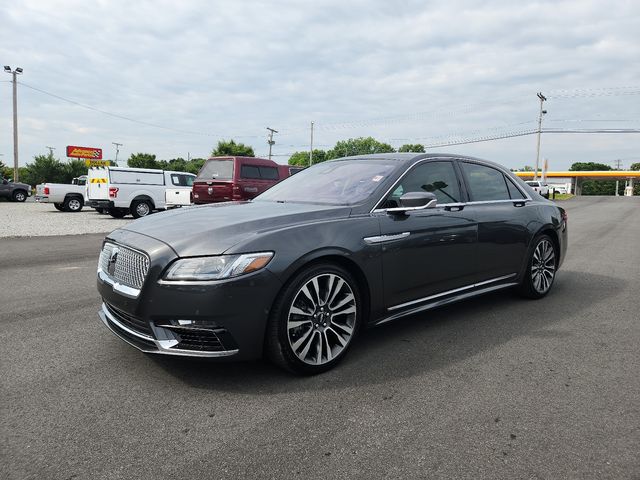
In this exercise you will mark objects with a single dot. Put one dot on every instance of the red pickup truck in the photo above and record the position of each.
(224, 179)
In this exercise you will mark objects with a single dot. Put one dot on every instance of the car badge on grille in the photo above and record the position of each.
(210, 190)
(113, 258)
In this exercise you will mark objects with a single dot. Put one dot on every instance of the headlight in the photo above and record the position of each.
(215, 268)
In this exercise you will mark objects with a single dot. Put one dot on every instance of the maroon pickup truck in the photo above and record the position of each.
(225, 179)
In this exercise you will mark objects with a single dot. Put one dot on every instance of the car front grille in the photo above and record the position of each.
(130, 321)
(123, 265)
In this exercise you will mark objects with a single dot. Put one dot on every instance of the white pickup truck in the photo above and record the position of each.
(138, 191)
(540, 187)
(66, 198)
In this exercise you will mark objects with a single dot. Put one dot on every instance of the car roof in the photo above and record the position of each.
(411, 157)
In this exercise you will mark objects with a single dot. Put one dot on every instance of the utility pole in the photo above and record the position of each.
(271, 141)
(16, 71)
(51, 149)
(542, 112)
(618, 163)
(311, 147)
(118, 145)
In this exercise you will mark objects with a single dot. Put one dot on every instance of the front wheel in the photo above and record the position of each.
(314, 320)
(541, 268)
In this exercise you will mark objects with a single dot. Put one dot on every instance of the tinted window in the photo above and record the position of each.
(514, 192)
(438, 178)
(216, 169)
(249, 171)
(269, 173)
(332, 183)
(485, 183)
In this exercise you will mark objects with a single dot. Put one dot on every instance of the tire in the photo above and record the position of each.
(101, 210)
(73, 204)
(58, 206)
(141, 208)
(542, 265)
(305, 335)
(118, 212)
(19, 196)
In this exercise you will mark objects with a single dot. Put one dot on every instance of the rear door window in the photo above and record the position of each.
(250, 171)
(485, 183)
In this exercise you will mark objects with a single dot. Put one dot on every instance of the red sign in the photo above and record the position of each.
(84, 152)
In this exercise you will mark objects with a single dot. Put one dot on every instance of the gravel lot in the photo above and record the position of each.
(31, 219)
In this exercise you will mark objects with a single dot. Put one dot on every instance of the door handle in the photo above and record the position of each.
(454, 207)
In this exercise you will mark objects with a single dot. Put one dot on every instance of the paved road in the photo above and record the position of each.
(497, 387)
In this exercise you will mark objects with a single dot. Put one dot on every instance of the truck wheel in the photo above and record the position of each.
(72, 204)
(118, 212)
(140, 208)
(58, 206)
(19, 196)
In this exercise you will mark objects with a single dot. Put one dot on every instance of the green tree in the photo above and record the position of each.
(588, 166)
(45, 168)
(635, 166)
(415, 148)
(358, 146)
(5, 171)
(595, 187)
(302, 158)
(74, 168)
(143, 160)
(231, 148)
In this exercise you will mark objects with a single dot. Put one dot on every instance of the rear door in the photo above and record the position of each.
(178, 190)
(497, 203)
(98, 181)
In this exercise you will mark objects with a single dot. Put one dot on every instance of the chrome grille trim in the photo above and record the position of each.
(129, 271)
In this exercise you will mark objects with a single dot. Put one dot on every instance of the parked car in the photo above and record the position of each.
(342, 245)
(562, 189)
(66, 198)
(14, 191)
(224, 179)
(138, 191)
(539, 187)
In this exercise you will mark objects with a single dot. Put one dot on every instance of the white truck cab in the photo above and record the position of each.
(139, 191)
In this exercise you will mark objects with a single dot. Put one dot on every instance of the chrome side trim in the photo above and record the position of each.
(385, 238)
(444, 301)
(450, 292)
(163, 346)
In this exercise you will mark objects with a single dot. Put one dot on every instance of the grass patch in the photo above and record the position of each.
(561, 196)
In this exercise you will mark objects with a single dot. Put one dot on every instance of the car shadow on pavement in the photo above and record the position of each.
(412, 346)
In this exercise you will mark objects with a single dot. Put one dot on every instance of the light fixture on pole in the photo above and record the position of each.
(14, 72)
(118, 145)
(542, 112)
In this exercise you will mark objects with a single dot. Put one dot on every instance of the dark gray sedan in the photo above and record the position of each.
(343, 245)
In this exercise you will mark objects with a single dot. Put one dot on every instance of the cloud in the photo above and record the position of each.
(229, 69)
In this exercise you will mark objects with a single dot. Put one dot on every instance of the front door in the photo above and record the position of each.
(431, 251)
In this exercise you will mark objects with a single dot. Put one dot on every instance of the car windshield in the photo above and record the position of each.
(332, 183)
(216, 169)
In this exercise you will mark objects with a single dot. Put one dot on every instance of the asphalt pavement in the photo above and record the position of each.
(497, 387)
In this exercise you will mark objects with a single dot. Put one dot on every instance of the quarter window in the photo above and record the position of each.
(269, 173)
(438, 178)
(514, 192)
(250, 171)
(485, 183)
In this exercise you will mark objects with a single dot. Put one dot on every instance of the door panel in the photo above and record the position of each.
(438, 255)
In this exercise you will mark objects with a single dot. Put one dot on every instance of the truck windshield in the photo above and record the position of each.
(332, 183)
(217, 170)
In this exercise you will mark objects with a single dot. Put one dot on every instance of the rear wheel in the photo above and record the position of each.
(314, 320)
(72, 204)
(541, 268)
(118, 212)
(140, 208)
(19, 196)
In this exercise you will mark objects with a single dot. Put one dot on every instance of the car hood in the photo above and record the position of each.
(20, 185)
(214, 228)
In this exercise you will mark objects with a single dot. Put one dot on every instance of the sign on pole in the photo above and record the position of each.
(74, 151)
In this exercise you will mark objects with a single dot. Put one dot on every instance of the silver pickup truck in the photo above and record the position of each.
(66, 198)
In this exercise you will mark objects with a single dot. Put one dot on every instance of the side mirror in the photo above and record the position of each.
(4, 181)
(414, 201)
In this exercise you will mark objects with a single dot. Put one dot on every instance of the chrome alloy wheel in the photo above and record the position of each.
(74, 205)
(20, 197)
(142, 209)
(543, 266)
(321, 319)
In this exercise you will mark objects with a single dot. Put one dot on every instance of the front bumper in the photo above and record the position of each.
(221, 319)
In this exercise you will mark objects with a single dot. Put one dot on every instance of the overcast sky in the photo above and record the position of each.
(400, 71)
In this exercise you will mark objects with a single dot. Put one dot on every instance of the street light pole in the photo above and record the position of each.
(118, 145)
(16, 71)
(311, 148)
(542, 112)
